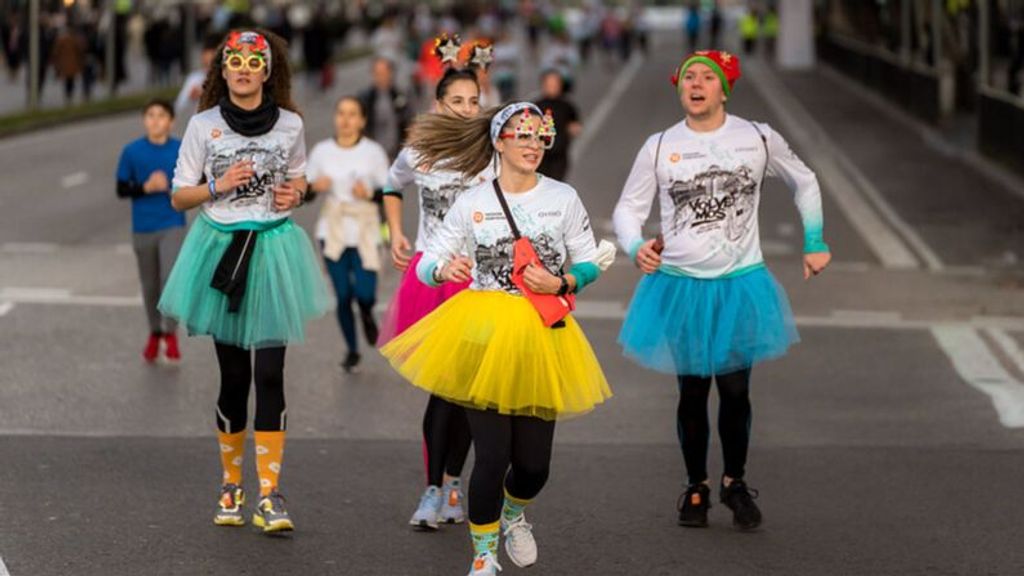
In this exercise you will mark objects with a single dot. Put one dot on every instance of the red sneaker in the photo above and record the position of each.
(152, 348)
(171, 351)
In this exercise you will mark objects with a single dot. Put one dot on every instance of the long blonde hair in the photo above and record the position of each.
(463, 145)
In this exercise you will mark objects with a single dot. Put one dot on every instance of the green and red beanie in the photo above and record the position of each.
(724, 64)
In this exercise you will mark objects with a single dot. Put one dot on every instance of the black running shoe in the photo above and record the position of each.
(351, 362)
(369, 325)
(693, 506)
(740, 499)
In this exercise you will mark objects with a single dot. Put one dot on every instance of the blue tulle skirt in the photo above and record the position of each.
(285, 287)
(683, 325)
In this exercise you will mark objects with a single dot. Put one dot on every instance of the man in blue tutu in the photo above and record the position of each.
(707, 308)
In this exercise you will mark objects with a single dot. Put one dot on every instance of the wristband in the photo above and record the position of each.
(213, 189)
(564, 288)
(436, 276)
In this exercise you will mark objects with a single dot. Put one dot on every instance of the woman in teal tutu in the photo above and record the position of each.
(246, 275)
(708, 308)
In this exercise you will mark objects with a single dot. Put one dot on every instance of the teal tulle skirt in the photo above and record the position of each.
(285, 287)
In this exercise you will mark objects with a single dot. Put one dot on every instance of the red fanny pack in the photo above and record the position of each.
(551, 307)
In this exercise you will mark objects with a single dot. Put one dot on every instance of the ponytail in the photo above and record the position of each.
(459, 144)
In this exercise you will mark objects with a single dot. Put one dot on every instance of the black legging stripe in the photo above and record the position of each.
(734, 418)
(512, 453)
(236, 378)
(446, 439)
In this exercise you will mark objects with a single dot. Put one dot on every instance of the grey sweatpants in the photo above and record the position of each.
(156, 253)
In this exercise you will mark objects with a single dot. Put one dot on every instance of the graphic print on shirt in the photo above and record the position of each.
(269, 164)
(437, 200)
(494, 261)
(713, 199)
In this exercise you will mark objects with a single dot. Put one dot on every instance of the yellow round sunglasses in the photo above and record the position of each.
(252, 63)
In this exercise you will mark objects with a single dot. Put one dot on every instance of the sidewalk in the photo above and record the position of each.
(965, 214)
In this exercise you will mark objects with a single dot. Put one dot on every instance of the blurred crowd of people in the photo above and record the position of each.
(74, 40)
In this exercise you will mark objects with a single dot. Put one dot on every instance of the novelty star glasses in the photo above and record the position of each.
(524, 139)
(252, 63)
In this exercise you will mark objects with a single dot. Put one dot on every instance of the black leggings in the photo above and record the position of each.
(446, 439)
(236, 377)
(734, 416)
(522, 443)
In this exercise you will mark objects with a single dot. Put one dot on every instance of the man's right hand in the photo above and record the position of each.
(647, 257)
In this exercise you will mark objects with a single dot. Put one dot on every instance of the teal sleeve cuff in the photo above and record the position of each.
(634, 248)
(425, 272)
(392, 192)
(815, 245)
(586, 273)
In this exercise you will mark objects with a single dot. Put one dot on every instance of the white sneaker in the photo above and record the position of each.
(485, 565)
(519, 543)
(425, 517)
(451, 503)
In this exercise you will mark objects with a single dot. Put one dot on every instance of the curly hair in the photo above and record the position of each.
(279, 85)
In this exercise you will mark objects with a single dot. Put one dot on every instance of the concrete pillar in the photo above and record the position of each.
(34, 37)
(983, 43)
(795, 46)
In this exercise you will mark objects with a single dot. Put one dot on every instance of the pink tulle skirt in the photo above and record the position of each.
(413, 300)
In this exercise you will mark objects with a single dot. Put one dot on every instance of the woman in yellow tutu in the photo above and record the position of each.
(487, 347)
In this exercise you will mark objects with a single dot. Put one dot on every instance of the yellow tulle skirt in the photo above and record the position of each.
(490, 351)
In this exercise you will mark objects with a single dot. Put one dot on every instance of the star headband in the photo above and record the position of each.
(480, 53)
(506, 114)
(254, 41)
(447, 48)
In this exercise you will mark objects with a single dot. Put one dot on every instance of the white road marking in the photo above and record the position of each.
(6, 307)
(3, 568)
(593, 123)
(1009, 345)
(74, 179)
(30, 247)
(976, 364)
(877, 223)
(66, 297)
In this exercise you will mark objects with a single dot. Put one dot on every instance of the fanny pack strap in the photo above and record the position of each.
(505, 209)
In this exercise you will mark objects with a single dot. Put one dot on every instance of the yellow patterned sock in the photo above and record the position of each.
(485, 538)
(513, 507)
(269, 453)
(232, 449)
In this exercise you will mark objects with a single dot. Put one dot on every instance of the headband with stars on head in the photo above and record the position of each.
(478, 53)
(447, 47)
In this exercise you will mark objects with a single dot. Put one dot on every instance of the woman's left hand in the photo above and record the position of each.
(816, 263)
(540, 281)
(286, 197)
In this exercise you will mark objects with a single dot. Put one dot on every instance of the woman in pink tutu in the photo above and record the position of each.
(446, 438)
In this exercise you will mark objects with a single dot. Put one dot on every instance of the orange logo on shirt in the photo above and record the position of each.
(215, 133)
(478, 217)
(675, 157)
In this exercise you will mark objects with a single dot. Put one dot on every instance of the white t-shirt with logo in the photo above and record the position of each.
(366, 162)
(709, 186)
(210, 147)
(550, 214)
(437, 189)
